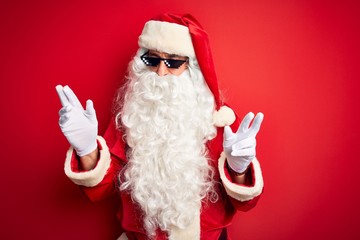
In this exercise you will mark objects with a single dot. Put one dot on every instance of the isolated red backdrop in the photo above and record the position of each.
(296, 61)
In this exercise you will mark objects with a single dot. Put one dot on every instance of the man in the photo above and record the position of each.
(163, 150)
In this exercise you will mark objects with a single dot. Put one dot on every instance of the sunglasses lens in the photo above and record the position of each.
(172, 63)
(150, 61)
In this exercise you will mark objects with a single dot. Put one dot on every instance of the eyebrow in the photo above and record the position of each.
(174, 55)
(168, 55)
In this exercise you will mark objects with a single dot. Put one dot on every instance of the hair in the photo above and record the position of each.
(167, 121)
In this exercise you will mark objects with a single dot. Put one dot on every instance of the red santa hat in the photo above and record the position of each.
(183, 35)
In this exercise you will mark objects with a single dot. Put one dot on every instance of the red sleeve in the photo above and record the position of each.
(117, 147)
(250, 180)
(107, 186)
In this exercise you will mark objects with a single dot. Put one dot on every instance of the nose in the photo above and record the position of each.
(162, 70)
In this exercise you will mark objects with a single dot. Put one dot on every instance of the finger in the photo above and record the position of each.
(255, 127)
(63, 120)
(90, 111)
(243, 152)
(90, 107)
(228, 133)
(229, 136)
(246, 143)
(63, 99)
(72, 97)
(246, 122)
(65, 110)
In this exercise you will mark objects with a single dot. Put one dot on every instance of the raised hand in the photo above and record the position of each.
(240, 147)
(79, 126)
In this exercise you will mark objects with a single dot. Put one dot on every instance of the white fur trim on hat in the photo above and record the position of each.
(240, 192)
(93, 177)
(167, 37)
(225, 116)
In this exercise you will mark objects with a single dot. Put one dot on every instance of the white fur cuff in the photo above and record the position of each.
(95, 176)
(239, 192)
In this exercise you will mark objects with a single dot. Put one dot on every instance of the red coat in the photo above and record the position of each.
(214, 217)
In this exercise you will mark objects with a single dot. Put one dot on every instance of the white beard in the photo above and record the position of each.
(167, 121)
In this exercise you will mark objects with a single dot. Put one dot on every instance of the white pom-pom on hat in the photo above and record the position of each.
(225, 116)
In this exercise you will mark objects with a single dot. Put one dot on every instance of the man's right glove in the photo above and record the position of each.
(79, 126)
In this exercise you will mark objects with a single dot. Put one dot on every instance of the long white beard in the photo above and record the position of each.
(167, 121)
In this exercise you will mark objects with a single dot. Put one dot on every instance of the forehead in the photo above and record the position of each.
(164, 54)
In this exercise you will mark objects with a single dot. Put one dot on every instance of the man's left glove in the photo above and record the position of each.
(239, 147)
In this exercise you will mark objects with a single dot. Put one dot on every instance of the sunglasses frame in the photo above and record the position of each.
(169, 63)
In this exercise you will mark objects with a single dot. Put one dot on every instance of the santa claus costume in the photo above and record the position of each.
(172, 178)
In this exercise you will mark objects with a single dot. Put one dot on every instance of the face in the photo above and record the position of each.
(162, 69)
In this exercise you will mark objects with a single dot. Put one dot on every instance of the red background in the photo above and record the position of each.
(296, 61)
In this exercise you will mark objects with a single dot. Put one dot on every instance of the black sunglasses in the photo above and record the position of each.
(154, 61)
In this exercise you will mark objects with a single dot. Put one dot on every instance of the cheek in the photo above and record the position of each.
(153, 69)
(179, 70)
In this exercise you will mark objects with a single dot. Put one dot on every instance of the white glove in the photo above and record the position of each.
(239, 147)
(79, 126)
